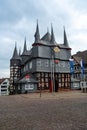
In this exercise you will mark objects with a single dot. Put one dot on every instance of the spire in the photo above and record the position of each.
(37, 35)
(52, 35)
(65, 39)
(15, 53)
(48, 35)
(19, 51)
(25, 46)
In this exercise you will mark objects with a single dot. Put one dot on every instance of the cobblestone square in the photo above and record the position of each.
(51, 111)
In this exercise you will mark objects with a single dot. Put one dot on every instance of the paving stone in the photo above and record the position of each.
(51, 111)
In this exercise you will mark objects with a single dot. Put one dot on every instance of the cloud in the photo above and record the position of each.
(81, 44)
(18, 19)
(80, 20)
(4, 73)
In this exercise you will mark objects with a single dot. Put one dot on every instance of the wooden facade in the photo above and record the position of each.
(63, 80)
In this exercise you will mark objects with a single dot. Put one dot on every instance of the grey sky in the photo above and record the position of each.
(18, 19)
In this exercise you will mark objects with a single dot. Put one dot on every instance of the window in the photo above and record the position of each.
(3, 86)
(3, 90)
(42, 74)
(38, 62)
(46, 74)
(30, 65)
(47, 63)
(38, 74)
(26, 67)
(5, 83)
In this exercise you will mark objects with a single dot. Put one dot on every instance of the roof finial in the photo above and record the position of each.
(37, 35)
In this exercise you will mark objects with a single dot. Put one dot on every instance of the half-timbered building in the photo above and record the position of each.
(45, 65)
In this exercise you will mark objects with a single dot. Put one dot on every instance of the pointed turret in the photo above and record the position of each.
(65, 39)
(48, 35)
(37, 35)
(25, 47)
(15, 62)
(19, 51)
(15, 53)
(52, 36)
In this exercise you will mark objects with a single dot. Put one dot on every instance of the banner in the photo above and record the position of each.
(82, 66)
(71, 62)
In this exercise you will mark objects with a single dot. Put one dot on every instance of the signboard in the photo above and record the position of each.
(29, 86)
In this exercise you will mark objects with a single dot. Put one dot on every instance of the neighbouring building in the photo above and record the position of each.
(44, 66)
(4, 86)
(80, 70)
(81, 55)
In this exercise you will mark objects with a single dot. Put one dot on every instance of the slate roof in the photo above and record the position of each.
(63, 46)
(81, 55)
(76, 59)
(52, 36)
(25, 48)
(28, 78)
(47, 40)
(37, 34)
(15, 53)
(1, 80)
(46, 37)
